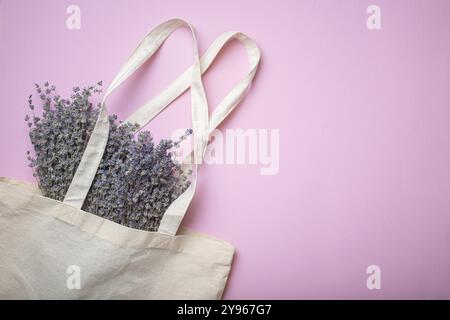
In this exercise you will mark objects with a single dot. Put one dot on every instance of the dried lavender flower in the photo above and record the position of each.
(136, 180)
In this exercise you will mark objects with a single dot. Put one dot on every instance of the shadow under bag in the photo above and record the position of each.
(43, 241)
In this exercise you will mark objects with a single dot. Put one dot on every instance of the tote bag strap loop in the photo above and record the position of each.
(174, 214)
(95, 148)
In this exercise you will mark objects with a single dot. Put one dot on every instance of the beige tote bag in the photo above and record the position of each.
(54, 250)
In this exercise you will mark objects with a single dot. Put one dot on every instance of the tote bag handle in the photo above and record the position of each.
(85, 174)
(174, 214)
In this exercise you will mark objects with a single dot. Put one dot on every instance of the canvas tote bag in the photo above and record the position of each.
(54, 250)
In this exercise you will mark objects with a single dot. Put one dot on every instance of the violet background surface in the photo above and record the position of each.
(363, 115)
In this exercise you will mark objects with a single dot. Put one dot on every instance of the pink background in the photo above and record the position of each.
(363, 115)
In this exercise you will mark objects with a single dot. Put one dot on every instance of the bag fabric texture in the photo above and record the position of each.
(54, 250)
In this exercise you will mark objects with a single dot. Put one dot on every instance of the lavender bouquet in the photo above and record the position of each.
(136, 180)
